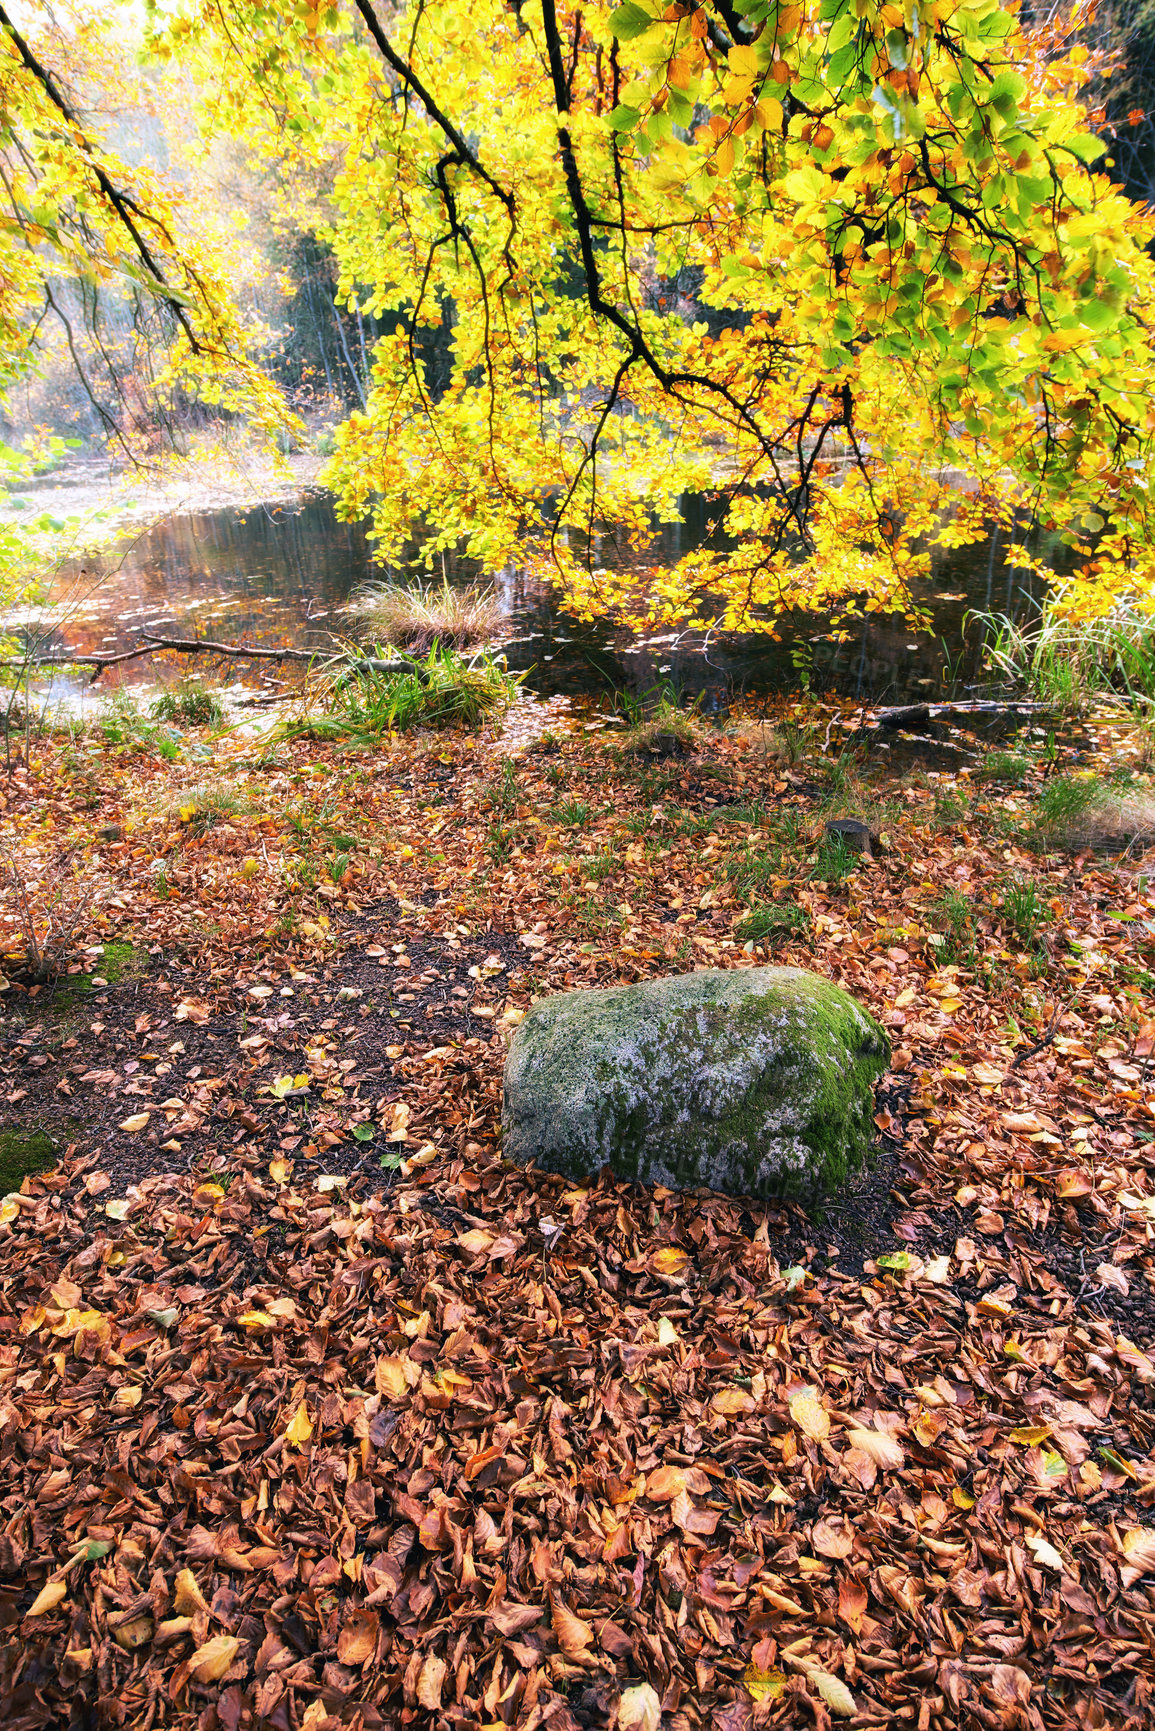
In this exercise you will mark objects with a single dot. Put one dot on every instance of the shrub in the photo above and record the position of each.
(421, 617)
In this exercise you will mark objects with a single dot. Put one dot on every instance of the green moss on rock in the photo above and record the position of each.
(754, 1081)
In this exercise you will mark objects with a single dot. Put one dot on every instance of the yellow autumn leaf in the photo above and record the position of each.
(762, 1685)
(391, 1378)
(136, 1122)
(883, 1450)
(256, 1319)
(730, 1401)
(128, 1397)
(47, 1598)
(834, 1692)
(1043, 1552)
(187, 1596)
(300, 1427)
(1030, 1435)
(9, 1210)
(280, 1171)
(670, 1260)
(210, 1662)
(810, 1415)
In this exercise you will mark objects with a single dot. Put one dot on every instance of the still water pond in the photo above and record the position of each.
(277, 575)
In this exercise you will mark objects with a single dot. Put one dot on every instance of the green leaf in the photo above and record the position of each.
(1086, 146)
(629, 21)
(898, 1261)
(364, 1132)
(623, 119)
(391, 1159)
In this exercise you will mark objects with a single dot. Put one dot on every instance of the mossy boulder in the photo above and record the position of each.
(753, 1081)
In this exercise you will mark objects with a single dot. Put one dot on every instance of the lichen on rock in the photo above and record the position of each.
(752, 1081)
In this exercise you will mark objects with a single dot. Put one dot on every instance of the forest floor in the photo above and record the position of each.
(315, 1414)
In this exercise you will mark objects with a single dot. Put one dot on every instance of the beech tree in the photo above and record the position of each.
(859, 267)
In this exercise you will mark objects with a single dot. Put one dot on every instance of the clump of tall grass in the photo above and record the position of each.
(1077, 812)
(1070, 662)
(360, 700)
(191, 702)
(419, 617)
(208, 803)
(666, 731)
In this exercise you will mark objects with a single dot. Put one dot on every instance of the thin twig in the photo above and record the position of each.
(1033, 1051)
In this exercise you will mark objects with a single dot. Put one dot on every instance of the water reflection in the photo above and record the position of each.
(281, 574)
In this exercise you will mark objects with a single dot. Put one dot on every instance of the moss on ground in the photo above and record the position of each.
(23, 1152)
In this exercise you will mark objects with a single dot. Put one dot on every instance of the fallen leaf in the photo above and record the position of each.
(664, 1484)
(429, 1682)
(300, 1427)
(1030, 1435)
(1043, 1552)
(832, 1539)
(640, 1709)
(882, 1449)
(210, 1662)
(761, 1685)
(47, 1599)
(187, 1597)
(136, 1122)
(834, 1692)
(810, 1415)
(574, 1634)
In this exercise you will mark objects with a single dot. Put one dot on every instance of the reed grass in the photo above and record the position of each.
(358, 702)
(419, 617)
(1071, 663)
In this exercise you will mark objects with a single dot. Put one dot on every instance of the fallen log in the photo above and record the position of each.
(915, 716)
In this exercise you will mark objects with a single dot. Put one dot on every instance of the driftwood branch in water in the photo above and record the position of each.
(153, 645)
(918, 715)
